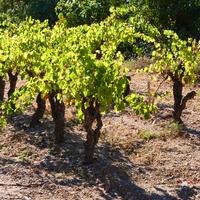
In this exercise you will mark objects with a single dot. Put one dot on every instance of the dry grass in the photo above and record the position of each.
(139, 63)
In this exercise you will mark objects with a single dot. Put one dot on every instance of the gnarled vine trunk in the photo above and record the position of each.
(2, 88)
(13, 82)
(58, 112)
(92, 114)
(41, 104)
(127, 89)
(177, 92)
(179, 100)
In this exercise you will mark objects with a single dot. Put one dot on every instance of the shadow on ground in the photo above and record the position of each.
(62, 165)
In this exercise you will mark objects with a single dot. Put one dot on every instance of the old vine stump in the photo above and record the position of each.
(58, 113)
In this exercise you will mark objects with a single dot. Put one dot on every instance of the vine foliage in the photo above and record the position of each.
(78, 65)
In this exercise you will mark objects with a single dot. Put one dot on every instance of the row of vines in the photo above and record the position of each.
(82, 66)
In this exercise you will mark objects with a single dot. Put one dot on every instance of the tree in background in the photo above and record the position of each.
(17, 11)
(42, 10)
(181, 16)
(12, 11)
(79, 12)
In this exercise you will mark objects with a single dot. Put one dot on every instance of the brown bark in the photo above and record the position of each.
(58, 112)
(179, 100)
(177, 92)
(39, 112)
(13, 82)
(92, 114)
(127, 90)
(2, 88)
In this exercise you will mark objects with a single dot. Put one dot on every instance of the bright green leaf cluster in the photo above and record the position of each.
(80, 62)
(167, 57)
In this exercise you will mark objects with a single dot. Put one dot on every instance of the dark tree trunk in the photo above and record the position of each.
(177, 92)
(127, 90)
(92, 114)
(41, 104)
(58, 112)
(2, 88)
(179, 100)
(13, 82)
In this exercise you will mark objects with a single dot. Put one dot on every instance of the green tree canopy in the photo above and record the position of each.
(79, 12)
(42, 10)
(181, 16)
(17, 11)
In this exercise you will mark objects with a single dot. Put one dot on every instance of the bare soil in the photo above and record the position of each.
(135, 159)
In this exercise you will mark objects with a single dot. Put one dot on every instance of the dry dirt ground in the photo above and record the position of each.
(135, 159)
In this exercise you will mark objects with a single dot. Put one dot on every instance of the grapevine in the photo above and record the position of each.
(80, 63)
(177, 60)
